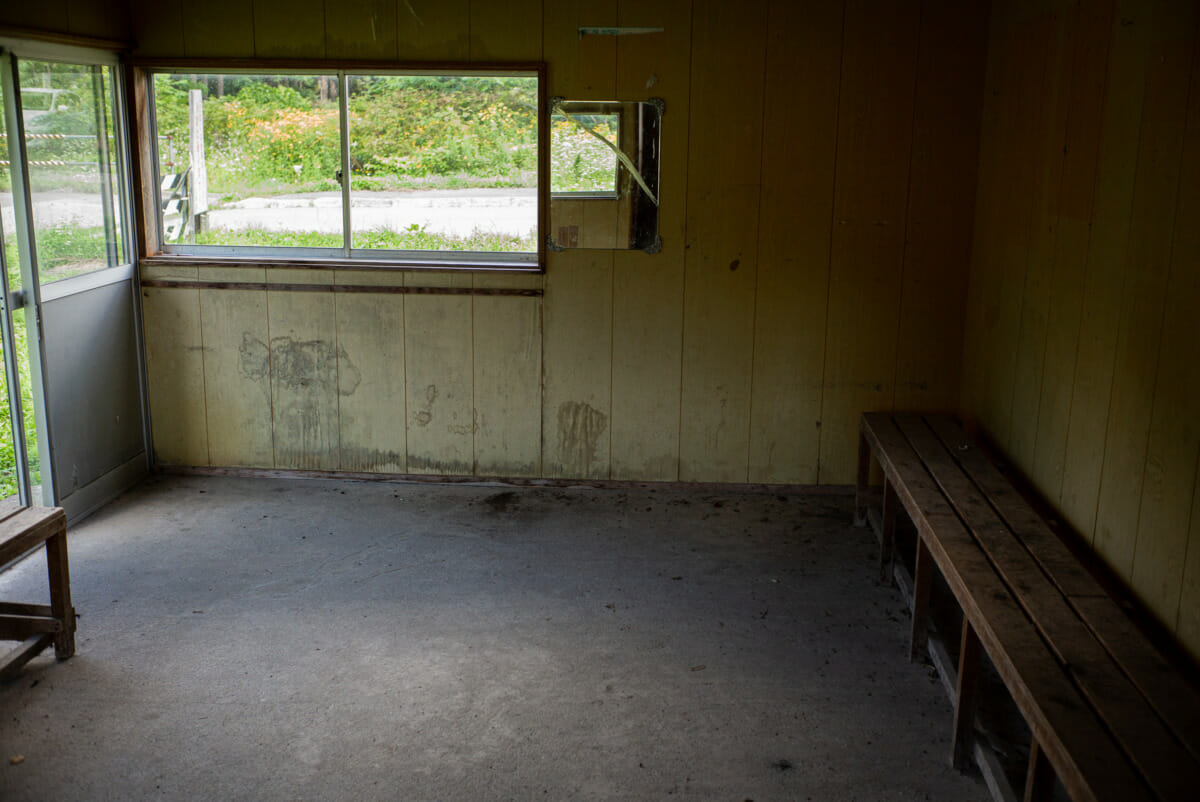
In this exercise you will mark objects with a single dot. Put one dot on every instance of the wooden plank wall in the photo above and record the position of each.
(817, 186)
(1081, 346)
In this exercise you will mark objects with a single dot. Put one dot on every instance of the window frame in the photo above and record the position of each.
(153, 250)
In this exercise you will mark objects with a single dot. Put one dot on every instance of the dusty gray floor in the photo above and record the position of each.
(301, 639)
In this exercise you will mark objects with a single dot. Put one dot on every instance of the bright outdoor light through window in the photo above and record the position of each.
(402, 166)
(581, 164)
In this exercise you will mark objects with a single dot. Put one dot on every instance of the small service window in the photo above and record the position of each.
(415, 168)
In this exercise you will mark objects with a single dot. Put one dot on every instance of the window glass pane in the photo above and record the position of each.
(444, 162)
(67, 110)
(271, 156)
(579, 161)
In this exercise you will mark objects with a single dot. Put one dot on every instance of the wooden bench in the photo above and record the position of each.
(23, 529)
(1109, 716)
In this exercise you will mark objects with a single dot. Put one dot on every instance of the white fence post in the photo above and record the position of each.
(198, 200)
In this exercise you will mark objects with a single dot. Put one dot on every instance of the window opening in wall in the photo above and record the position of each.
(433, 168)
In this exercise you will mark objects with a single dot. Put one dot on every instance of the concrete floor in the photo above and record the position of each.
(300, 639)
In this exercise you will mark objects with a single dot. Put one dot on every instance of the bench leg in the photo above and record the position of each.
(1039, 779)
(860, 486)
(922, 580)
(964, 700)
(887, 534)
(60, 595)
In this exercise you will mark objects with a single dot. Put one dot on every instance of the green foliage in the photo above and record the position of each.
(267, 134)
(581, 163)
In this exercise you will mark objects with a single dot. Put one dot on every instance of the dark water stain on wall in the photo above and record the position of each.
(579, 429)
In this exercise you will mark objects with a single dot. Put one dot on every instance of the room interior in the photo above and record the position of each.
(990, 210)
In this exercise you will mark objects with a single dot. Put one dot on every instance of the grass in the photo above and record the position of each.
(414, 238)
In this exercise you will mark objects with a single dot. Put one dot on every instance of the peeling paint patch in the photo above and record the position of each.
(579, 429)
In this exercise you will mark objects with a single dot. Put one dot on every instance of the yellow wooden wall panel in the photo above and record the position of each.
(92, 18)
(874, 142)
(1174, 437)
(507, 384)
(433, 29)
(995, 144)
(724, 162)
(438, 353)
(304, 378)
(1187, 626)
(583, 68)
(50, 15)
(803, 64)
(1046, 106)
(364, 29)
(577, 360)
(218, 28)
(1150, 231)
(284, 28)
(175, 375)
(1093, 24)
(1105, 267)
(577, 335)
(506, 30)
(1032, 39)
(372, 413)
(648, 289)
(237, 378)
(941, 200)
(157, 27)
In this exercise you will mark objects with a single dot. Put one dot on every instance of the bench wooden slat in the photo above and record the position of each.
(20, 627)
(1087, 760)
(12, 662)
(1177, 702)
(27, 529)
(9, 508)
(1171, 771)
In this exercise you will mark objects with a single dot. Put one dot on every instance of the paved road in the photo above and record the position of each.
(456, 212)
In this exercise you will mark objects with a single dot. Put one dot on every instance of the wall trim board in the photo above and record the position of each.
(59, 38)
(510, 481)
(362, 289)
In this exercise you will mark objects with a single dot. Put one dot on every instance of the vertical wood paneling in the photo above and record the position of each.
(304, 373)
(157, 27)
(237, 378)
(50, 15)
(507, 378)
(724, 163)
(433, 29)
(577, 351)
(218, 28)
(584, 69)
(1046, 107)
(285, 28)
(1081, 152)
(371, 399)
(941, 201)
(1105, 267)
(1151, 228)
(439, 385)
(175, 368)
(1107, 328)
(506, 31)
(648, 289)
(1174, 437)
(795, 215)
(364, 29)
(577, 365)
(91, 18)
(1188, 615)
(874, 141)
